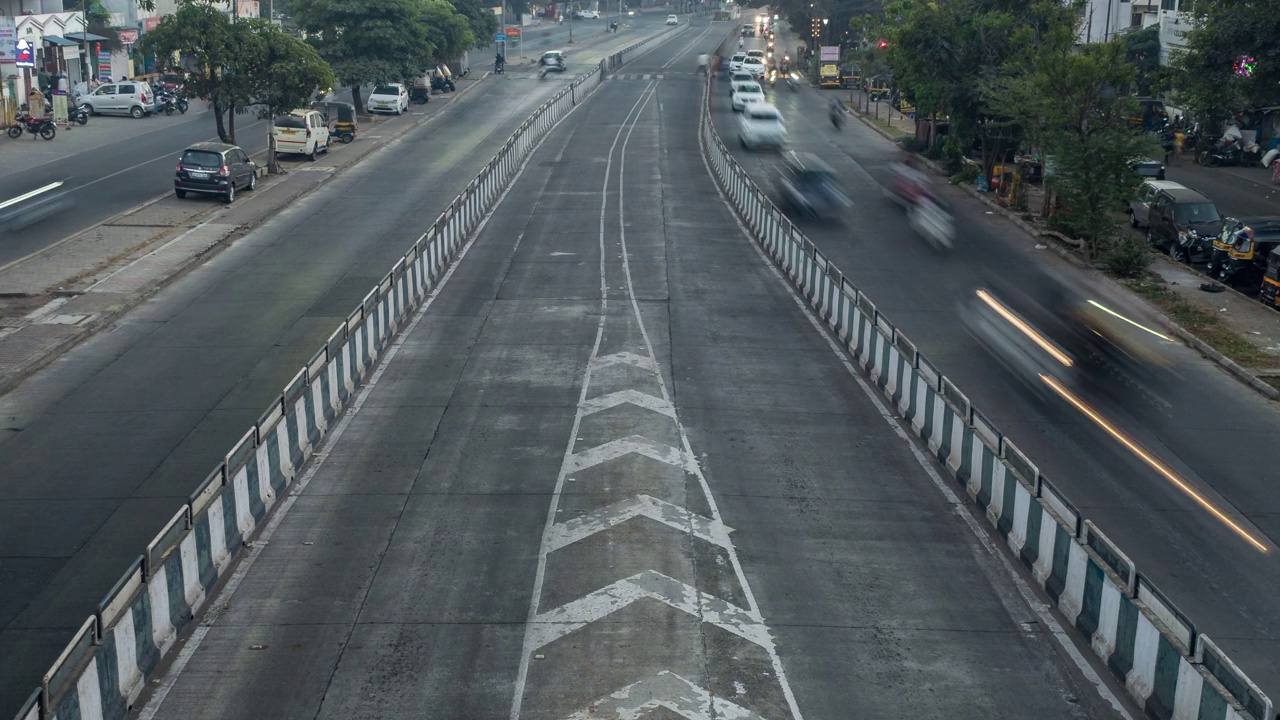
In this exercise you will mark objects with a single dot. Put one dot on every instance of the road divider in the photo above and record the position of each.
(117, 649)
(1169, 668)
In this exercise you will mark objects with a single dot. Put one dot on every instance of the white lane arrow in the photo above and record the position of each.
(557, 623)
(664, 690)
(637, 444)
(627, 358)
(571, 531)
(635, 397)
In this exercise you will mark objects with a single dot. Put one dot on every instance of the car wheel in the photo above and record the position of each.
(1151, 238)
(88, 109)
(180, 193)
(136, 112)
(230, 196)
(1133, 219)
(1179, 254)
(253, 180)
(312, 155)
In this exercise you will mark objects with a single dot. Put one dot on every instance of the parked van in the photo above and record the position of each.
(301, 132)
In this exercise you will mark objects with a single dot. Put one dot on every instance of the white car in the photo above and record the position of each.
(755, 66)
(392, 97)
(125, 98)
(744, 93)
(590, 15)
(673, 20)
(735, 62)
(303, 132)
(756, 53)
(738, 76)
(761, 126)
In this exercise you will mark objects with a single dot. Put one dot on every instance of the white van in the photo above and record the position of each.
(302, 132)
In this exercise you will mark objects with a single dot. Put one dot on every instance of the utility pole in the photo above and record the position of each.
(502, 26)
(570, 23)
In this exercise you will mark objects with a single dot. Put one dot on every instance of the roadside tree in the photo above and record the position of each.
(202, 35)
(1232, 60)
(483, 23)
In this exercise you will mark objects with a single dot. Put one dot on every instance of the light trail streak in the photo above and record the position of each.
(33, 193)
(1025, 329)
(1151, 461)
(1113, 313)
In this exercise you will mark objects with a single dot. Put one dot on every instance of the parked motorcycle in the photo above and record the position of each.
(42, 126)
(77, 114)
(1230, 152)
(165, 104)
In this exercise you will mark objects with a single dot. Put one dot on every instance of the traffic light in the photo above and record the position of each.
(882, 44)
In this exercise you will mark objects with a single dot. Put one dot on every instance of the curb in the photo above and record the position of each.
(1231, 366)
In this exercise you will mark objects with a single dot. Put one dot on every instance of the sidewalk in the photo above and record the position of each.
(52, 300)
(1233, 329)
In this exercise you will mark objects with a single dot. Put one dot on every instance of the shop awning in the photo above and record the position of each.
(87, 37)
(59, 41)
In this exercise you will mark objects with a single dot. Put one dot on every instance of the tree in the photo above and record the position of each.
(484, 24)
(281, 72)
(448, 31)
(1222, 32)
(1142, 51)
(203, 36)
(370, 41)
(1070, 108)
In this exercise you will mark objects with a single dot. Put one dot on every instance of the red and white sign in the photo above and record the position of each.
(513, 32)
(150, 23)
(128, 37)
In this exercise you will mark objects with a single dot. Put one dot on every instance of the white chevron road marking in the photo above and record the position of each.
(664, 690)
(634, 444)
(557, 623)
(646, 363)
(635, 397)
(571, 531)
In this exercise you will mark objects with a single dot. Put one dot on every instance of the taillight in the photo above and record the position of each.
(144, 97)
(223, 171)
(179, 165)
(308, 132)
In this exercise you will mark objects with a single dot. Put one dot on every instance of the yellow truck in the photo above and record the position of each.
(829, 75)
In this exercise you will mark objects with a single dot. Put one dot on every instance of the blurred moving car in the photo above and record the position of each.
(744, 93)
(1140, 205)
(392, 97)
(553, 61)
(809, 186)
(761, 126)
(301, 132)
(754, 65)
(33, 206)
(212, 168)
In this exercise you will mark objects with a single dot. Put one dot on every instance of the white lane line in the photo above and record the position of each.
(29, 195)
(673, 516)
(633, 445)
(526, 654)
(696, 470)
(1042, 610)
(687, 49)
(223, 599)
(664, 690)
(629, 396)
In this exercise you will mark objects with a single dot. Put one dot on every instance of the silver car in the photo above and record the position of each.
(133, 98)
(1140, 206)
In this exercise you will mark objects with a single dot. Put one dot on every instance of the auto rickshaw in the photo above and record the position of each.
(341, 118)
(1270, 294)
(1247, 259)
(1222, 245)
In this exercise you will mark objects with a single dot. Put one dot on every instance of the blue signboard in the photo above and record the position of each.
(499, 37)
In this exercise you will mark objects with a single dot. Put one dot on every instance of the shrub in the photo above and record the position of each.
(1127, 256)
(967, 175)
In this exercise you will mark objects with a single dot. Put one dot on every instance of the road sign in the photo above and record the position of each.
(513, 32)
(499, 38)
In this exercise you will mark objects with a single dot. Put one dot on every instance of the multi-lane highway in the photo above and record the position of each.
(99, 449)
(1206, 433)
(612, 470)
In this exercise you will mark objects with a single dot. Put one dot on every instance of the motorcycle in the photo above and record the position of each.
(165, 104)
(498, 67)
(1228, 152)
(837, 117)
(77, 114)
(42, 126)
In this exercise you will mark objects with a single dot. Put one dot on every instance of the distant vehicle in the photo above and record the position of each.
(738, 76)
(735, 62)
(392, 97)
(746, 92)
(301, 132)
(589, 15)
(214, 168)
(553, 61)
(126, 98)
(1140, 205)
(756, 54)
(761, 126)
(755, 66)
(673, 20)
(1147, 168)
(1183, 222)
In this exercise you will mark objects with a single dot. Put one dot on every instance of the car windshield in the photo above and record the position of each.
(386, 90)
(764, 113)
(1196, 213)
(201, 158)
(739, 57)
(755, 53)
(745, 89)
(290, 121)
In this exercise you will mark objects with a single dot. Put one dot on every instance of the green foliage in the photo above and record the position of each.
(1142, 51)
(1223, 31)
(483, 23)
(282, 73)
(447, 30)
(950, 154)
(203, 35)
(966, 175)
(1127, 255)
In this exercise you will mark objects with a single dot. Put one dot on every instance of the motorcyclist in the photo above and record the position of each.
(837, 114)
(740, 41)
(499, 63)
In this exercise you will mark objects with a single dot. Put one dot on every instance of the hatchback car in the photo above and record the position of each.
(755, 66)
(125, 98)
(301, 132)
(214, 168)
(746, 92)
(392, 97)
(1183, 222)
(761, 126)
(673, 20)
(1140, 205)
(554, 61)
(735, 62)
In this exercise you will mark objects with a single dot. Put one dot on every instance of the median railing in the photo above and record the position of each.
(1166, 665)
(106, 665)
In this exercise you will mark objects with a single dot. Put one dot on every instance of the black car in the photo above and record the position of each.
(1183, 222)
(809, 186)
(214, 169)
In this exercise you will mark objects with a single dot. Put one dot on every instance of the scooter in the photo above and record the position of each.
(78, 114)
(42, 126)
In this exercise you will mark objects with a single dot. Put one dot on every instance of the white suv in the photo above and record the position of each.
(303, 132)
(392, 97)
(123, 98)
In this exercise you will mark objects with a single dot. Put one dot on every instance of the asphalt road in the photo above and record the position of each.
(614, 471)
(1209, 430)
(99, 449)
(111, 177)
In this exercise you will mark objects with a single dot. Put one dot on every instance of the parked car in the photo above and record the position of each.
(126, 98)
(392, 97)
(761, 126)
(1147, 168)
(586, 15)
(214, 168)
(673, 20)
(1140, 205)
(301, 132)
(744, 93)
(1183, 223)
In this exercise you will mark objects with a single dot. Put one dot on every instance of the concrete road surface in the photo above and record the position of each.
(614, 471)
(100, 449)
(1208, 431)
